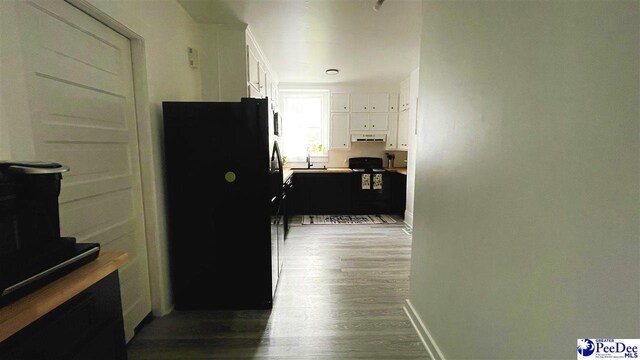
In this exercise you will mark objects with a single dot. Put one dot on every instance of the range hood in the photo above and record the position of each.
(368, 137)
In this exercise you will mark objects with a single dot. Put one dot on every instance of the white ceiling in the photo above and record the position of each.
(303, 38)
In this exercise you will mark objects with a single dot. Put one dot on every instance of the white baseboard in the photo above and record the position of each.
(408, 218)
(423, 333)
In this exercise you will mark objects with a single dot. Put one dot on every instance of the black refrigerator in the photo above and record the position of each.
(224, 191)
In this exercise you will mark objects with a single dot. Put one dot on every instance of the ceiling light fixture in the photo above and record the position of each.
(332, 71)
(377, 5)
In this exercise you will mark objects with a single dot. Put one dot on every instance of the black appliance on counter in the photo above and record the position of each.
(32, 252)
(367, 198)
(224, 186)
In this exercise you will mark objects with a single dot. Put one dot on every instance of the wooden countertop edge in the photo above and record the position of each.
(19, 314)
(402, 171)
(288, 172)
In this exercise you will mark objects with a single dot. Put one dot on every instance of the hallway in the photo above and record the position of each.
(341, 296)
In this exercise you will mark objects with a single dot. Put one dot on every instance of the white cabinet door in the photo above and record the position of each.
(261, 79)
(339, 102)
(392, 136)
(340, 131)
(254, 93)
(267, 87)
(378, 122)
(403, 130)
(393, 102)
(253, 65)
(379, 102)
(359, 102)
(404, 95)
(274, 94)
(359, 122)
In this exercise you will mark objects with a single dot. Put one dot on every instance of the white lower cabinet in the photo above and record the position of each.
(403, 130)
(340, 138)
(392, 137)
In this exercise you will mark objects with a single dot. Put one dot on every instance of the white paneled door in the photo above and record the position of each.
(82, 112)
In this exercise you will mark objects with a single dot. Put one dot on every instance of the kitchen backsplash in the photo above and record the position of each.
(340, 158)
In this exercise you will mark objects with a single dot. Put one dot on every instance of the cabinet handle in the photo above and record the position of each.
(365, 108)
(374, 108)
(344, 144)
(345, 107)
(373, 126)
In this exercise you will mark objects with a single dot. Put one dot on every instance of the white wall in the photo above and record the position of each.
(413, 139)
(339, 158)
(526, 229)
(168, 32)
(16, 137)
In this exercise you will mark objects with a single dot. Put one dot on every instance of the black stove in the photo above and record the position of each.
(366, 164)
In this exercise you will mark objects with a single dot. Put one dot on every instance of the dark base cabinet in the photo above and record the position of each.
(321, 194)
(88, 326)
(398, 193)
(341, 193)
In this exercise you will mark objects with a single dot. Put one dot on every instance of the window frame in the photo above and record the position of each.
(325, 96)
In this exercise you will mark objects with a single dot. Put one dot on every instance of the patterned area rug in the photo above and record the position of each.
(346, 219)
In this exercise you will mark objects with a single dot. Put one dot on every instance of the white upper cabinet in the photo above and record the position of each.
(339, 102)
(379, 103)
(267, 87)
(340, 131)
(254, 68)
(275, 95)
(393, 102)
(254, 93)
(405, 98)
(359, 122)
(403, 130)
(238, 65)
(261, 79)
(375, 102)
(392, 136)
(359, 102)
(378, 122)
(369, 122)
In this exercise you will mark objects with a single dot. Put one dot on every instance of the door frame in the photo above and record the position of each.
(155, 232)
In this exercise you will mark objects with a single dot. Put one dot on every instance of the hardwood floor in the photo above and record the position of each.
(340, 296)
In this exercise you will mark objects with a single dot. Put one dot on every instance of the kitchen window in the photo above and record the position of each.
(305, 124)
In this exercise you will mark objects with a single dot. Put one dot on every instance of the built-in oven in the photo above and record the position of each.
(371, 186)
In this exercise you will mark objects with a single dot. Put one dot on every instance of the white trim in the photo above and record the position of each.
(408, 218)
(325, 130)
(149, 169)
(423, 332)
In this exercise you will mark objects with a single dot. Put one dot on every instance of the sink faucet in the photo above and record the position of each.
(309, 163)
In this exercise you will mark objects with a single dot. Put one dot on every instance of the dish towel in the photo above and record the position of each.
(366, 181)
(377, 181)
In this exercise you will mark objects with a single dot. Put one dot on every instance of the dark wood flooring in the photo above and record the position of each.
(340, 296)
